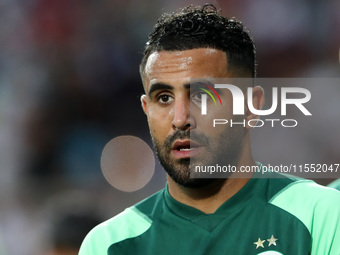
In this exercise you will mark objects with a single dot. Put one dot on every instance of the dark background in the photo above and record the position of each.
(69, 83)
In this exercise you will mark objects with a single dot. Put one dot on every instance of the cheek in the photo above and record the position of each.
(222, 114)
(153, 126)
(214, 112)
(159, 121)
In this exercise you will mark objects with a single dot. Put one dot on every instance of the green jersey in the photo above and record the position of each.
(335, 184)
(289, 216)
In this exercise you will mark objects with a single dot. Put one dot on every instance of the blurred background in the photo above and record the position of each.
(69, 83)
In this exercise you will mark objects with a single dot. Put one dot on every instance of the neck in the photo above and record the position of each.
(210, 197)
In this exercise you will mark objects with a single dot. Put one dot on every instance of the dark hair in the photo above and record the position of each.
(203, 27)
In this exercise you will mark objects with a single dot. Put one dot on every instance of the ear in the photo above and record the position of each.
(143, 100)
(258, 101)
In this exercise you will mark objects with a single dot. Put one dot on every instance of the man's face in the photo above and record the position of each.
(181, 136)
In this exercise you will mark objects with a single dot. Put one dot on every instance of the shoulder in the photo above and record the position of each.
(288, 188)
(335, 184)
(307, 192)
(130, 223)
(318, 208)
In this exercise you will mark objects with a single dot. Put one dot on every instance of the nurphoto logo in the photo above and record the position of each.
(204, 97)
(295, 96)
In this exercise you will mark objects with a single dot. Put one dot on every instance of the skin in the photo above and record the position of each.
(168, 111)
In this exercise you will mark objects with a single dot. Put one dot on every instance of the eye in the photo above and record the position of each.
(197, 96)
(165, 99)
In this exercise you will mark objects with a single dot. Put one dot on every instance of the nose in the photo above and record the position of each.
(182, 119)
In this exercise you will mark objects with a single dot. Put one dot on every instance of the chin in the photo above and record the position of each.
(197, 183)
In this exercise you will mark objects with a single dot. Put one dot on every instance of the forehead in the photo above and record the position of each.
(171, 66)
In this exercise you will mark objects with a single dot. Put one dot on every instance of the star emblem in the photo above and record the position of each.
(272, 240)
(259, 243)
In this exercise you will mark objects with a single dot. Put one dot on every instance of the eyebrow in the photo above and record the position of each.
(160, 86)
(200, 83)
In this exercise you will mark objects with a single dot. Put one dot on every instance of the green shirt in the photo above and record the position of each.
(289, 216)
(335, 184)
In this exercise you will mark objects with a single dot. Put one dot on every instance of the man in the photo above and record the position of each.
(221, 215)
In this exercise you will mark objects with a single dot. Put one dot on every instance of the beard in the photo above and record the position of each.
(223, 151)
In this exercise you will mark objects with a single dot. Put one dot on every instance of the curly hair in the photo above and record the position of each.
(203, 27)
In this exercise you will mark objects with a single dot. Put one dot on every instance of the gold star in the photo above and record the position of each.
(272, 240)
(259, 243)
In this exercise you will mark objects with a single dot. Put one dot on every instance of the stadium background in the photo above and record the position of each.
(69, 83)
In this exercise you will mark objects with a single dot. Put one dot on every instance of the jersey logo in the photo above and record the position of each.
(270, 253)
(260, 243)
(267, 243)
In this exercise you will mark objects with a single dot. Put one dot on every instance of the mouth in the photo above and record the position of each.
(185, 149)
